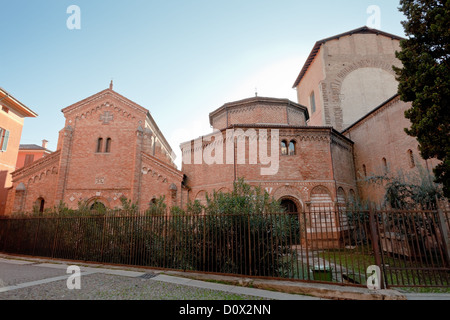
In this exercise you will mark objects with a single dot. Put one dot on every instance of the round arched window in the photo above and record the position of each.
(98, 206)
(284, 148)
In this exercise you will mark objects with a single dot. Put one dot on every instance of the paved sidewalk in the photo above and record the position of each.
(113, 281)
(241, 287)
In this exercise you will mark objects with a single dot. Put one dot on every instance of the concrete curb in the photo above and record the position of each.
(330, 292)
(319, 290)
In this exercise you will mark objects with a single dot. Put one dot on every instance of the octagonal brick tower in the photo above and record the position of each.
(259, 111)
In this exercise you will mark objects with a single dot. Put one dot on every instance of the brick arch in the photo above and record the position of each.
(341, 198)
(352, 197)
(365, 63)
(362, 90)
(201, 196)
(40, 203)
(334, 106)
(298, 202)
(103, 200)
(321, 195)
(224, 190)
(341, 195)
(98, 108)
(289, 193)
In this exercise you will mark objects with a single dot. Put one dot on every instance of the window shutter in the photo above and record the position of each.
(5, 141)
(29, 158)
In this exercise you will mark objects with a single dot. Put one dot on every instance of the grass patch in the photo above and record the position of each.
(408, 275)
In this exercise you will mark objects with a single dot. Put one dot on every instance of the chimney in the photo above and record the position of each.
(44, 144)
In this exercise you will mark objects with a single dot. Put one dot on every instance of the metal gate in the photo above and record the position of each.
(412, 247)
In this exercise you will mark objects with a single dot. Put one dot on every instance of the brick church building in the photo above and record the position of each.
(110, 148)
(347, 123)
(309, 165)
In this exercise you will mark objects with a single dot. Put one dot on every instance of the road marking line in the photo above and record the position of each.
(117, 272)
(18, 262)
(39, 282)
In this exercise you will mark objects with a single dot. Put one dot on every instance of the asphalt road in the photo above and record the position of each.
(36, 279)
(35, 282)
(28, 280)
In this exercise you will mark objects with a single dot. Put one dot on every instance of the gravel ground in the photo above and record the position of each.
(12, 274)
(111, 287)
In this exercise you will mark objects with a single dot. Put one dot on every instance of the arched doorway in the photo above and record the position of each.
(40, 204)
(289, 206)
(293, 211)
(98, 207)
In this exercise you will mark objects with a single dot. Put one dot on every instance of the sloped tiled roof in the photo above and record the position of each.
(32, 147)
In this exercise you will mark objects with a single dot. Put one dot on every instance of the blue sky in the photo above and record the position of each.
(180, 59)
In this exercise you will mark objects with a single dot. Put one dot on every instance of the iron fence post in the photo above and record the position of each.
(103, 238)
(55, 238)
(375, 245)
(36, 235)
(249, 246)
(444, 231)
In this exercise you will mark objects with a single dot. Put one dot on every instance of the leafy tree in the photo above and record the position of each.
(244, 232)
(194, 208)
(424, 79)
(408, 191)
(244, 199)
(129, 206)
(157, 206)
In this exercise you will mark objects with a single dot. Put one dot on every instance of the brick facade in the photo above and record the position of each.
(259, 110)
(12, 115)
(105, 152)
(318, 168)
(380, 135)
(355, 89)
(350, 74)
(322, 157)
(354, 123)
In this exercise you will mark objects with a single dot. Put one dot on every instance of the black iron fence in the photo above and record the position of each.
(326, 245)
(414, 247)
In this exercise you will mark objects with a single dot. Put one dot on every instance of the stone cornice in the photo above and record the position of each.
(251, 103)
(37, 166)
(101, 95)
(107, 105)
(342, 143)
(302, 133)
(159, 165)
